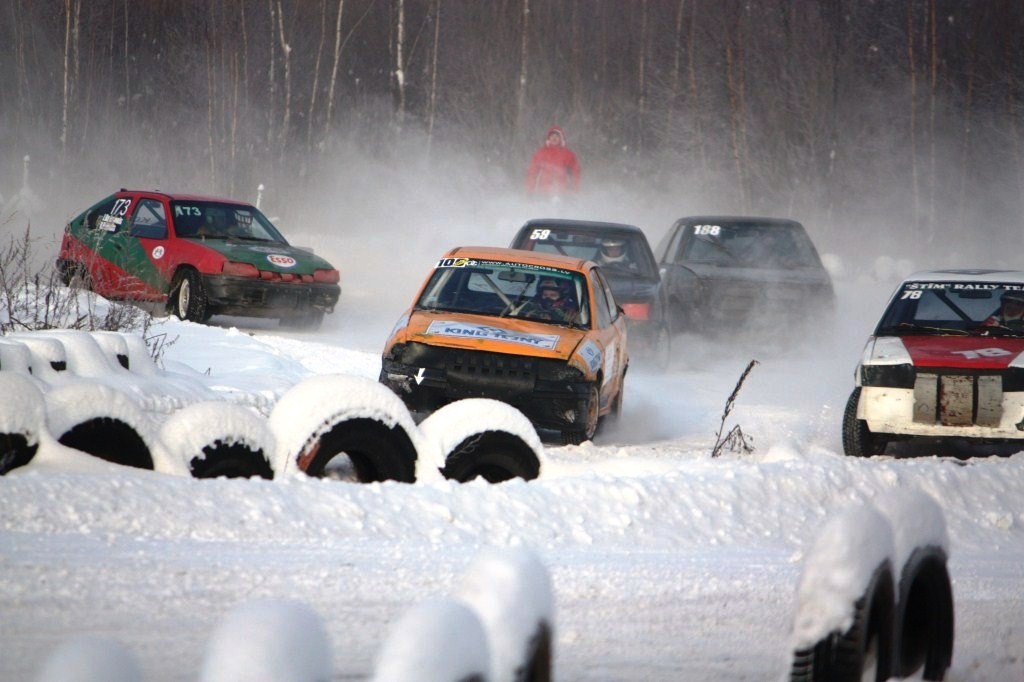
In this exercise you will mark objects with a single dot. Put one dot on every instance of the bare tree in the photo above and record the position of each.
(334, 67)
(524, 70)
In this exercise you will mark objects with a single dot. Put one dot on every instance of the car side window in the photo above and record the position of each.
(613, 307)
(99, 217)
(149, 220)
(601, 315)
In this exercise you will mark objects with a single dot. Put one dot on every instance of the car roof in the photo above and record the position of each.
(553, 260)
(967, 275)
(761, 220)
(184, 196)
(581, 225)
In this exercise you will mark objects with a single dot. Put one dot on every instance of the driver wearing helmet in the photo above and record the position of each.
(613, 253)
(551, 303)
(1010, 313)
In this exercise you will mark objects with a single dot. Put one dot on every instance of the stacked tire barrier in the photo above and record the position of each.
(875, 601)
(496, 626)
(99, 394)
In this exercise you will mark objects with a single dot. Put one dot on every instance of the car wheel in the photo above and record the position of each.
(188, 298)
(495, 456)
(377, 452)
(858, 440)
(75, 275)
(863, 652)
(923, 632)
(589, 411)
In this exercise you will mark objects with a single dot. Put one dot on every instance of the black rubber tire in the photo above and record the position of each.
(924, 623)
(843, 657)
(495, 456)
(187, 297)
(236, 460)
(378, 452)
(537, 667)
(586, 428)
(111, 440)
(15, 451)
(858, 440)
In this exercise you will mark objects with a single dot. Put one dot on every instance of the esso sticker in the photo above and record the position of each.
(158, 253)
(281, 261)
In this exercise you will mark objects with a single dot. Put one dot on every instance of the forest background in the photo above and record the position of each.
(871, 118)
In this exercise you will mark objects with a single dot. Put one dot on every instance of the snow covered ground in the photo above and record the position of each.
(665, 564)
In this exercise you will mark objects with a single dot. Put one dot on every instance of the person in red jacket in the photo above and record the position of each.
(554, 169)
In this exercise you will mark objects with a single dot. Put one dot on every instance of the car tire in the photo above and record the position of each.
(590, 409)
(495, 456)
(924, 622)
(864, 651)
(188, 297)
(858, 440)
(109, 439)
(378, 452)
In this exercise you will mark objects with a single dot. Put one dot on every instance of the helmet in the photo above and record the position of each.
(613, 250)
(549, 283)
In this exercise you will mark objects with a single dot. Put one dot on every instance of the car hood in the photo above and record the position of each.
(964, 352)
(801, 276)
(268, 256)
(498, 335)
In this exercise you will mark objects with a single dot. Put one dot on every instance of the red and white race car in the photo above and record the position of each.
(946, 360)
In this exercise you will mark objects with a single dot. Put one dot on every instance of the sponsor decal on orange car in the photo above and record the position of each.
(481, 331)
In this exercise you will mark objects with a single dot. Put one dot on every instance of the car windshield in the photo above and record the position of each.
(507, 289)
(750, 245)
(215, 220)
(955, 309)
(614, 250)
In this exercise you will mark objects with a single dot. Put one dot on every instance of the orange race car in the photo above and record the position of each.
(539, 331)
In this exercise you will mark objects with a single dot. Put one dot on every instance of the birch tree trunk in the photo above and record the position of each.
(524, 46)
(432, 106)
(673, 79)
(286, 57)
(334, 69)
(399, 70)
(316, 76)
(912, 66)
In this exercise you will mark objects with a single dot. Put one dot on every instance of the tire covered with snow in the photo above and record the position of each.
(439, 639)
(845, 601)
(218, 439)
(858, 440)
(22, 416)
(328, 417)
(861, 653)
(510, 591)
(480, 437)
(268, 639)
(102, 422)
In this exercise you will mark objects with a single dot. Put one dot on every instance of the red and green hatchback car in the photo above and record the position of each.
(200, 256)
